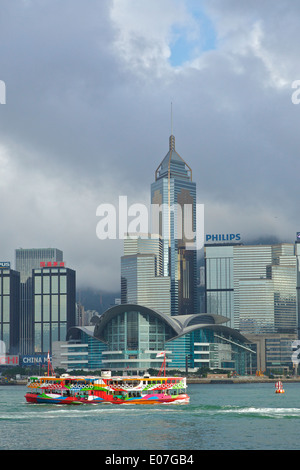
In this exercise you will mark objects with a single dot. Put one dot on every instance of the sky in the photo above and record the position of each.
(86, 118)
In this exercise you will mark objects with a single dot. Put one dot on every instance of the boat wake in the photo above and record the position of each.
(248, 411)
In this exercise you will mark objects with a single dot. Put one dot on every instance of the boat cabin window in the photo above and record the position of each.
(134, 394)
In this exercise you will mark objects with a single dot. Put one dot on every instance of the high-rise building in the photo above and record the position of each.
(253, 285)
(54, 304)
(9, 307)
(142, 282)
(219, 280)
(173, 202)
(27, 259)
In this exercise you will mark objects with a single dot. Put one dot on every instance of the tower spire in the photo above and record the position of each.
(172, 138)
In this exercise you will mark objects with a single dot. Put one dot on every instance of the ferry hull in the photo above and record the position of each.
(30, 397)
(35, 398)
(150, 400)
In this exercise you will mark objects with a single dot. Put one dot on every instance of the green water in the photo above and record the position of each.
(223, 417)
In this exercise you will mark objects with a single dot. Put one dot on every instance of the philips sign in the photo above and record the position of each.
(4, 264)
(222, 237)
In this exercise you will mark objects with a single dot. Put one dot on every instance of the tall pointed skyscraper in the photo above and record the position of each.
(174, 193)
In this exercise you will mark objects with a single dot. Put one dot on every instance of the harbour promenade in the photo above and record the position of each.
(240, 380)
(207, 380)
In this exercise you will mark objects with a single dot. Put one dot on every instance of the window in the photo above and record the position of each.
(54, 307)
(46, 307)
(63, 284)
(37, 285)
(5, 285)
(37, 308)
(63, 307)
(46, 285)
(6, 303)
(54, 284)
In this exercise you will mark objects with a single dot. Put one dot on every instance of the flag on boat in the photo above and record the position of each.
(161, 354)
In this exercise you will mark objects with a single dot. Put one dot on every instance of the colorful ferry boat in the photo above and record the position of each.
(107, 389)
(76, 390)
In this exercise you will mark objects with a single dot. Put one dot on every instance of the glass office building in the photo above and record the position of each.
(9, 308)
(253, 285)
(219, 284)
(173, 199)
(54, 299)
(142, 281)
(27, 259)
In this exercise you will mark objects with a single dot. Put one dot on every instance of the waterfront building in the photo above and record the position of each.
(132, 335)
(142, 280)
(9, 308)
(253, 285)
(219, 285)
(80, 351)
(173, 202)
(27, 259)
(54, 303)
(256, 286)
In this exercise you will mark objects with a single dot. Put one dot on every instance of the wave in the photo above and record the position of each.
(185, 411)
(246, 411)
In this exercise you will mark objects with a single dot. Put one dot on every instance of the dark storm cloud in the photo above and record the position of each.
(87, 118)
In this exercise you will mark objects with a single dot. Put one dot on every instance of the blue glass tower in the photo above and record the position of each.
(173, 199)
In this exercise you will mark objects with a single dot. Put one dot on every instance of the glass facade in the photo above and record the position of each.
(28, 259)
(141, 279)
(278, 353)
(133, 339)
(9, 309)
(133, 335)
(253, 285)
(54, 305)
(173, 198)
(250, 264)
(219, 281)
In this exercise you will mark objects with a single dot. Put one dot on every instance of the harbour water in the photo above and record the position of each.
(218, 417)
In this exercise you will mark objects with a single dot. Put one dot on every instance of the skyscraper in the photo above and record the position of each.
(142, 281)
(253, 285)
(9, 307)
(173, 199)
(53, 304)
(28, 259)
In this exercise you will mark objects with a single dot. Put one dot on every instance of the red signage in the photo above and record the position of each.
(52, 264)
(9, 360)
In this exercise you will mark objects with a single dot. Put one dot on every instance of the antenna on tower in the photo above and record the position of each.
(171, 118)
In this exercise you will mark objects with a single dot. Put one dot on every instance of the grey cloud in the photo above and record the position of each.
(83, 124)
